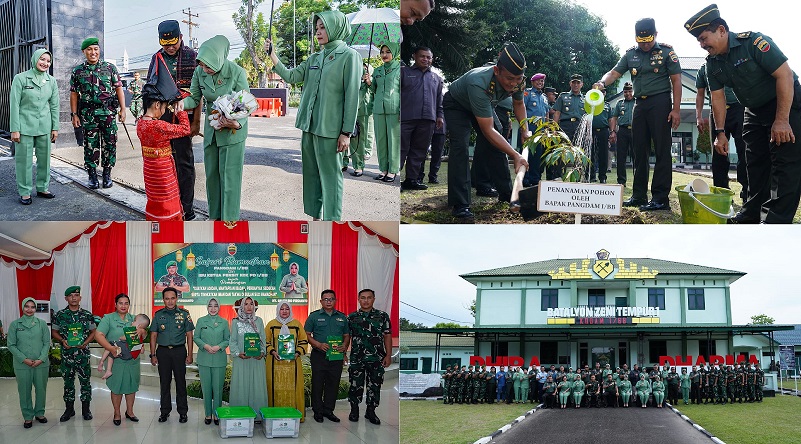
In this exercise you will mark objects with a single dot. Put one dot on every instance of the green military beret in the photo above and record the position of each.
(512, 59)
(172, 264)
(89, 42)
(71, 290)
(698, 23)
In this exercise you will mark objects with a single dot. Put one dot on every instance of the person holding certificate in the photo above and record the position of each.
(248, 379)
(286, 343)
(329, 337)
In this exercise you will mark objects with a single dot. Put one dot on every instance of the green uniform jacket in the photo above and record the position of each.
(331, 80)
(658, 386)
(34, 106)
(579, 386)
(386, 87)
(643, 386)
(624, 111)
(365, 100)
(478, 91)
(650, 71)
(230, 77)
(28, 338)
(171, 326)
(212, 330)
(685, 380)
(624, 385)
(571, 106)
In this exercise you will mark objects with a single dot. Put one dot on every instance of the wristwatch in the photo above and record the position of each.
(346, 134)
(152, 355)
(719, 131)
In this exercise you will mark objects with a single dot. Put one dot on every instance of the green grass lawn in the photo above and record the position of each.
(431, 206)
(426, 422)
(775, 420)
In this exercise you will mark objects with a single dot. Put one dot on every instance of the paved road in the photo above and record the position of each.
(271, 187)
(651, 425)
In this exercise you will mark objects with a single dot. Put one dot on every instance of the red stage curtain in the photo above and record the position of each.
(35, 284)
(108, 256)
(170, 232)
(238, 234)
(289, 232)
(344, 263)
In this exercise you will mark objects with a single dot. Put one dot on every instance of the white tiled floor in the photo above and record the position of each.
(149, 430)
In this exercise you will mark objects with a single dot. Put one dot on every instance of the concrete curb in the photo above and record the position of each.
(507, 427)
(714, 438)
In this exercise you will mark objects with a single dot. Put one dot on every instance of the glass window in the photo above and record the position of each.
(695, 299)
(621, 301)
(549, 351)
(656, 349)
(596, 297)
(408, 363)
(656, 298)
(550, 299)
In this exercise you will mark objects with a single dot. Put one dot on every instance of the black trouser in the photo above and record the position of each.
(611, 399)
(600, 153)
(774, 171)
(184, 159)
(695, 393)
(622, 151)
(673, 394)
(550, 400)
(172, 363)
(437, 145)
(325, 383)
(649, 124)
(534, 173)
(415, 139)
(720, 162)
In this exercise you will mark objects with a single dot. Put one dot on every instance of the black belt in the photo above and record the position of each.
(598, 129)
(625, 126)
(172, 346)
(572, 119)
(652, 95)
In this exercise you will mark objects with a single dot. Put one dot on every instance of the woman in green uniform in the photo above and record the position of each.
(684, 381)
(211, 336)
(361, 144)
(223, 149)
(34, 124)
(578, 391)
(564, 388)
(125, 378)
(29, 344)
(327, 112)
(643, 388)
(385, 84)
(624, 387)
(517, 377)
(525, 386)
(658, 388)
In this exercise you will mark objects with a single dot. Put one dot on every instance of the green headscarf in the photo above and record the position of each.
(214, 52)
(39, 76)
(25, 301)
(336, 25)
(394, 47)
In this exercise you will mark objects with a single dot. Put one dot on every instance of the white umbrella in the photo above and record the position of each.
(375, 15)
(366, 50)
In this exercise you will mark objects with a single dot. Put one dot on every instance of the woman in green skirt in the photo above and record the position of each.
(125, 378)
(211, 336)
(29, 344)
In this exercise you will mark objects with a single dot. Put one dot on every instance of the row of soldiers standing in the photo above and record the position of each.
(717, 385)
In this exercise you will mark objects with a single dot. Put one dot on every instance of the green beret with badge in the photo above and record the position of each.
(89, 41)
(71, 290)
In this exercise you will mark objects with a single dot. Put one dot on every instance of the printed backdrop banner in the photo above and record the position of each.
(231, 271)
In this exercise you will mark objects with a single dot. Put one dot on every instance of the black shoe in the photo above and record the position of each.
(354, 412)
(602, 181)
(117, 421)
(85, 412)
(93, 183)
(389, 179)
(107, 183)
(654, 205)
(45, 194)
(318, 418)
(634, 202)
(345, 168)
(741, 218)
(41, 420)
(163, 417)
(133, 418)
(331, 417)
(207, 421)
(487, 192)
(412, 185)
(370, 415)
(27, 424)
(462, 213)
(216, 421)
(190, 216)
(24, 201)
(68, 413)
(379, 177)
(433, 181)
(357, 174)
(183, 418)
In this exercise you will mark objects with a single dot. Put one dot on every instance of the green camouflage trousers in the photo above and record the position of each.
(96, 128)
(72, 364)
(361, 374)
(445, 389)
(136, 107)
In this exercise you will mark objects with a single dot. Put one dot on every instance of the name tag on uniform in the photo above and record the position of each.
(28, 87)
(314, 67)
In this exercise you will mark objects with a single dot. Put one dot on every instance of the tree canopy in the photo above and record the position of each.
(762, 319)
(557, 38)
(405, 325)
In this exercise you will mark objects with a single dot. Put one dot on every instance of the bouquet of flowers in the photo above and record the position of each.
(237, 105)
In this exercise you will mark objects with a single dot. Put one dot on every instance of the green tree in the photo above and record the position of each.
(304, 29)
(254, 33)
(406, 325)
(472, 308)
(449, 325)
(762, 319)
(703, 144)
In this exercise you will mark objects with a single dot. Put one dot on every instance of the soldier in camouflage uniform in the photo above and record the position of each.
(95, 97)
(750, 381)
(731, 384)
(75, 321)
(371, 347)
(720, 385)
(456, 388)
(135, 88)
(740, 381)
(479, 386)
(759, 381)
(446, 384)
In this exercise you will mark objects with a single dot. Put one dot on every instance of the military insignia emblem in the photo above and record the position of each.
(331, 57)
(757, 40)
(634, 71)
(764, 46)
(231, 249)
(603, 267)
(163, 326)
(219, 82)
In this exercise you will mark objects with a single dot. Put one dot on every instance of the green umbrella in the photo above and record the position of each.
(376, 26)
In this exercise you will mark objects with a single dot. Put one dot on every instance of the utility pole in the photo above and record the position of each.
(191, 24)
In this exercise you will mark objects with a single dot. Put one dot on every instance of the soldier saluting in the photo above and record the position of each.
(752, 64)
